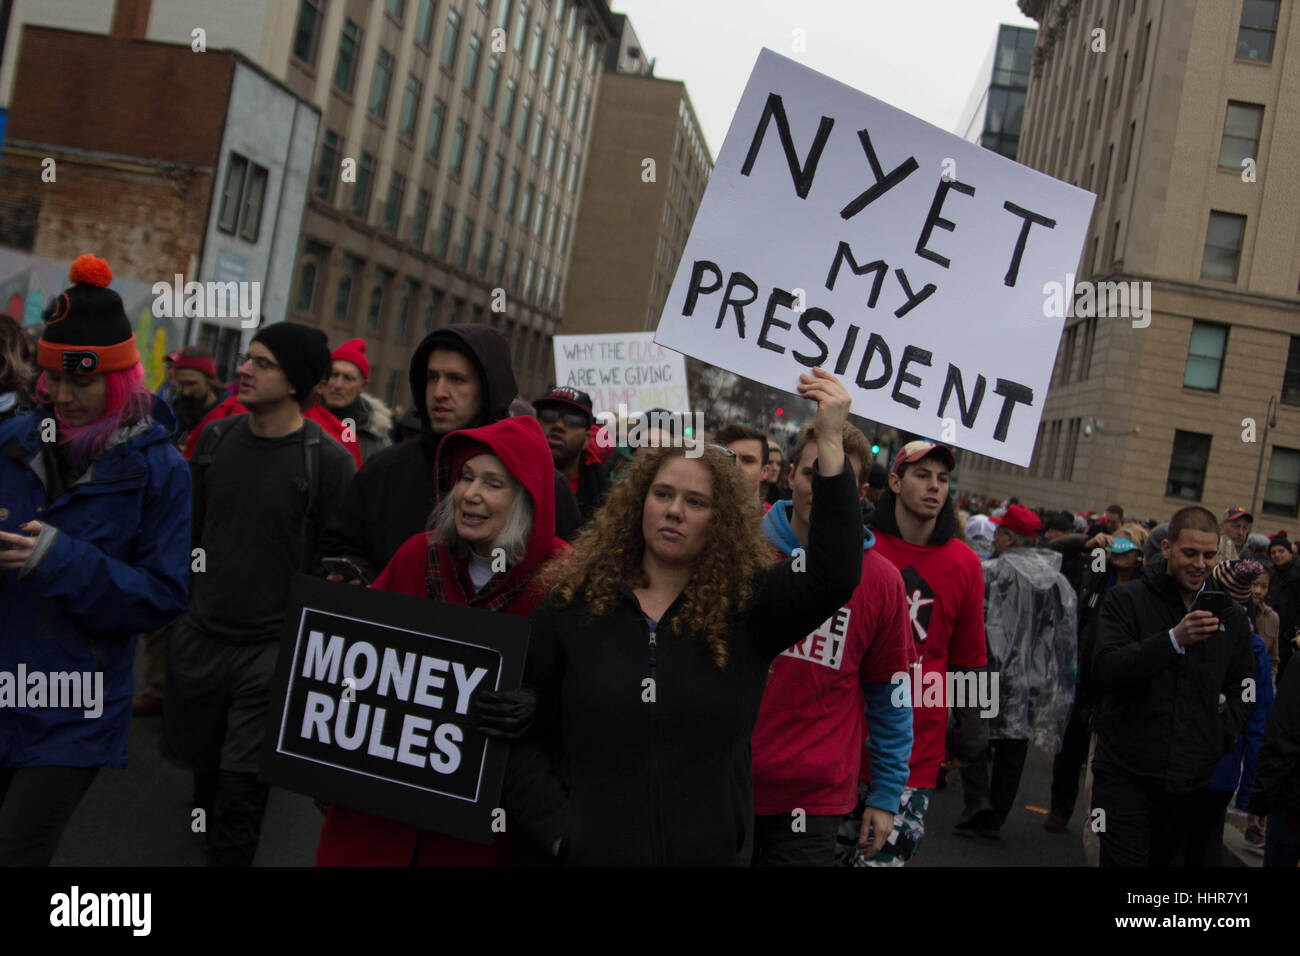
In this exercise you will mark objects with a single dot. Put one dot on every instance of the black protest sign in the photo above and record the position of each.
(371, 705)
(837, 231)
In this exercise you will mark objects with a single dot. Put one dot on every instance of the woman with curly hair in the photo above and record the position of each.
(650, 654)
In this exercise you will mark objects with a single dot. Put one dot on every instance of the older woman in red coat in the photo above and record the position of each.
(500, 513)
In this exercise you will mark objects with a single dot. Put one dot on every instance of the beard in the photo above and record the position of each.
(189, 411)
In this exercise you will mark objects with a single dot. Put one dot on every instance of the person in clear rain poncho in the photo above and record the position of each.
(1030, 618)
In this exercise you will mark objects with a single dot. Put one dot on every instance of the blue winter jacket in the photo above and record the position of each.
(112, 561)
(1236, 771)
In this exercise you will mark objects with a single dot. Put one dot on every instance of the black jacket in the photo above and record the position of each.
(1158, 713)
(593, 483)
(391, 497)
(1284, 597)
(628, 780)
(1277, 776)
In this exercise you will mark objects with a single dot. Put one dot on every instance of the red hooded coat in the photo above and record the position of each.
(352, 838)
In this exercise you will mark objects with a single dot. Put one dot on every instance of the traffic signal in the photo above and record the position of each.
(780, 411)
(875, 445)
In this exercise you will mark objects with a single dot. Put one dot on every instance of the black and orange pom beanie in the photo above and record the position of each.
(86, 328)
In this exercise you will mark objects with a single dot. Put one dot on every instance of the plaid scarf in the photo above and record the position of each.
(446, 579)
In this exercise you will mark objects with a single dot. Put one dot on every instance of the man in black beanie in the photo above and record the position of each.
(265, 483)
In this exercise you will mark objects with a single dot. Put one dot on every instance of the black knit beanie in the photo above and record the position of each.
(303, 353)
(86, 328)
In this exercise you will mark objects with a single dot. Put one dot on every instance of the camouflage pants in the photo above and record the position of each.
(903, 843)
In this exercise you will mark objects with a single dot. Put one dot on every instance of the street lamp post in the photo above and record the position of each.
(1270, 421)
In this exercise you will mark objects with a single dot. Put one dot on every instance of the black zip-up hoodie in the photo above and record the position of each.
(641, 751)
(1159, 714)
(391, 497)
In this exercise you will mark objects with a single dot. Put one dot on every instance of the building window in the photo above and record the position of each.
(564, 164)
(539, 133)
(503, 14)
(1223, 246)
(528, 279)
(484, 252)
(1291, 377)
(431, 310)
(1128, 151)
(541, 215)
(1089, 340)
(345, 67)
(314, 255)
(443, 239)
(1205, 356)
(449, 41)
(521, 28)
(499, 267)
(1071, 448)
(393, 207)
(508, 108)
(527, 209)
(512, 193)
(498, 175)
(343, 294)
(410, 288)
(424, 23)
(390, 390)
(478, 164)
(380, 82)
(375, 311)
(361, 189)
(306, 39)
(327, 170)
(586, 114)
(1240, 134)
(420, 221)
(458, 147)
(573, 173)
(410, 108)
(535, 54)
(562, 86)
(471, 65)
(1255, 35)
(525, 117)
(433, 139)
(573, 96)
(1187, 466)
(1282, 493)
(548, 75)
(493, 81)
(241, 199)
(564, 234)
(516, 265)
(551, 222)
(395, 8)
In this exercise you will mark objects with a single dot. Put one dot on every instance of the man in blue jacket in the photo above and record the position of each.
(94, 548)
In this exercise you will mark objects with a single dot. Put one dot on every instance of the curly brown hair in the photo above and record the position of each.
(611, 549)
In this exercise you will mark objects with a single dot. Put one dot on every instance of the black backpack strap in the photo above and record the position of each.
(204, 452)
(311, 439)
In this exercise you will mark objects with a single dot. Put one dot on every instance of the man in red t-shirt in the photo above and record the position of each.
(914, 524)
(807, 744)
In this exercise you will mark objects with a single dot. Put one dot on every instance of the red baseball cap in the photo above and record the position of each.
(202, 364)
(1019, 520)
(1232, 514)
(914, 451)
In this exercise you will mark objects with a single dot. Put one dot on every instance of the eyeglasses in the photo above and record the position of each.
(548, 416)
(262, 364)
(726, 451)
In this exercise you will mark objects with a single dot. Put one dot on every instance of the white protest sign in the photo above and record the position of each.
(840, 232)
(627, 368)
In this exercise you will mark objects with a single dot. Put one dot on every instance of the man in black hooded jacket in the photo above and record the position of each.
(1172, 666)
(460, 378)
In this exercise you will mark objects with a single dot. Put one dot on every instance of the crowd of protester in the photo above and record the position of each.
(837, 637)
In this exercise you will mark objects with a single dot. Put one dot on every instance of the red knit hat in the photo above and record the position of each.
(354, 351)
(200, 363)
(86, 328)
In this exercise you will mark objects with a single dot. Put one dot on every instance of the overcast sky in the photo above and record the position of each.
(922, 56)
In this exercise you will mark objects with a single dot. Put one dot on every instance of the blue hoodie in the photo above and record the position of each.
(889, 738)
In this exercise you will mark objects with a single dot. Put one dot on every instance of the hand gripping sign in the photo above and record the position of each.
(837, 231)
(370, 705)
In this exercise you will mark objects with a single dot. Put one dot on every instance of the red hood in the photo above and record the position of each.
(521, 445)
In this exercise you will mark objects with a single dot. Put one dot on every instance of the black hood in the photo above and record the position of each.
(945, 526)
(490, 353)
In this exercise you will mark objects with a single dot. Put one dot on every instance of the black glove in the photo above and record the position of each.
(503, 716)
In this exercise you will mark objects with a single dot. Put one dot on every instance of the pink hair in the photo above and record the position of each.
(126, 399)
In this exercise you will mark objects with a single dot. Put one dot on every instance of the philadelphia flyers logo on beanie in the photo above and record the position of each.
(83, 362)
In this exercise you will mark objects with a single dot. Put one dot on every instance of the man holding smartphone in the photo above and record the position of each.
(1173, 667)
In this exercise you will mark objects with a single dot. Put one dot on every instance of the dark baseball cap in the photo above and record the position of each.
(563, 395)
(1232, 514)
